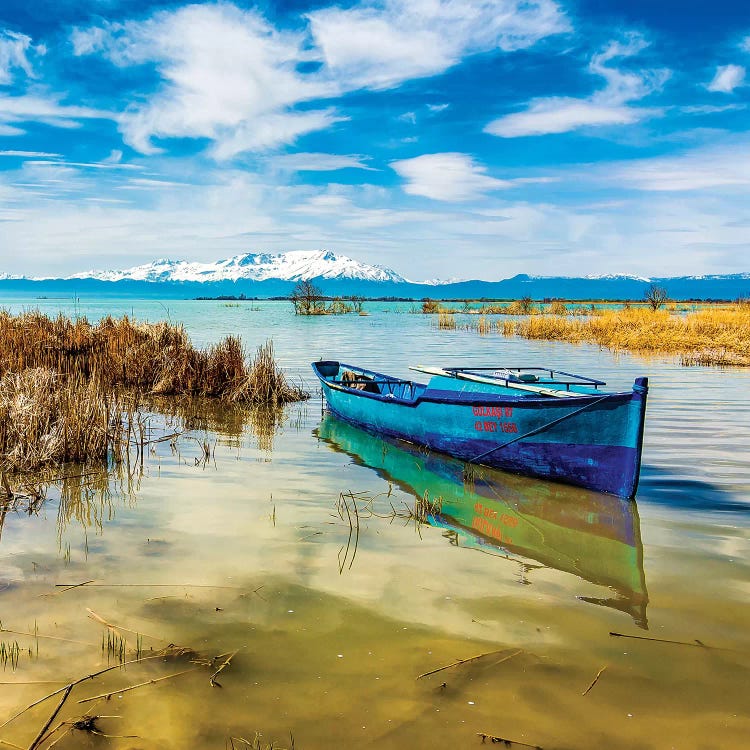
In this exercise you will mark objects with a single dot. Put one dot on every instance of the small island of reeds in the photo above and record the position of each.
(699, 334)
(70, 389)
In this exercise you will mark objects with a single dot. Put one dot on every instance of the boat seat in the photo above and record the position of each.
(359, 381)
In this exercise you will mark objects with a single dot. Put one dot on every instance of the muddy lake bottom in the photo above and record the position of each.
(330, 624)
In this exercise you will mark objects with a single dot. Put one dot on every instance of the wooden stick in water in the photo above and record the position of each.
(48, 724)
(212, 679)
(494, 738)
(77, 682)
(140, 684)
(595, 680)
(696, 643)
(471, 658)
(68, 587)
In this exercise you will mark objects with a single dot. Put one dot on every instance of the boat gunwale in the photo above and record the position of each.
(463, 398)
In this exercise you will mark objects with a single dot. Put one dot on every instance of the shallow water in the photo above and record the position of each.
(248, 552)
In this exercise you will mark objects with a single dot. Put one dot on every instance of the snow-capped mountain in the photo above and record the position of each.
(617, 277)
(292, 266)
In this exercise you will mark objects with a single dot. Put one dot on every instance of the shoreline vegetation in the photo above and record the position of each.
(69, 389)
(710, 335)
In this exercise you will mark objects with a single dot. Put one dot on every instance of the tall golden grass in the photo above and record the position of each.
(62, 383)
(446, 321)
(709, 336)
(45, 418)
(155, 358)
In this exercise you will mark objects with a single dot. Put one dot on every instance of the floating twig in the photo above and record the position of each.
(696, 643)
(212, 679)
(68, 586)
(11, 744)
(77, 682)
(112, 626)
(471, 658)
(108, 695)
(595, 680)
(494, 738)
(46, 637)
(163, 585)
(65, 693)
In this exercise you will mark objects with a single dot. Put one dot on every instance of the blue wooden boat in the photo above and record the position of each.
(529, 420)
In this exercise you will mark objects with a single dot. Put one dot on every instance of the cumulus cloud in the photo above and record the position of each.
(382, 43)
(231, 77)
(446, 177)
(227, 75)
(608, 106)
(727, 78)
(13, 49)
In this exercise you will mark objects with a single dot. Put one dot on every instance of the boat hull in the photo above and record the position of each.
(593, 441)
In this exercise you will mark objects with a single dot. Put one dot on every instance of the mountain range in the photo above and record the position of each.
(271, 275)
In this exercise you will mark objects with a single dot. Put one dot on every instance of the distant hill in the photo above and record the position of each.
(266, 275)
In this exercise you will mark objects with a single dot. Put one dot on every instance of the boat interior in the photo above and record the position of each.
(515, 381)
(369, 381)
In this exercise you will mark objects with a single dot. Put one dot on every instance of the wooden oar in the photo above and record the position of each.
(502, 382)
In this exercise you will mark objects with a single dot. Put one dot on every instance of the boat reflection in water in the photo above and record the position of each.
(591, 535)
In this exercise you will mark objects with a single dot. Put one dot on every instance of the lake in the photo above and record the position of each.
(333, 625)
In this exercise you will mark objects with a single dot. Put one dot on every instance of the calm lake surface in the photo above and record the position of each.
(252, 551)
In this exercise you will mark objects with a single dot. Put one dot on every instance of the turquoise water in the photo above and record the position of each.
(253, 551)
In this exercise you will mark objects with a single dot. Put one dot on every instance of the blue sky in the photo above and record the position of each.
(442, 138)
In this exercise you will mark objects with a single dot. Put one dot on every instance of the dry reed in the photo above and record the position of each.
(155, 358)
(62, 383)
(714, 335)
(45, 418)
(446, 321)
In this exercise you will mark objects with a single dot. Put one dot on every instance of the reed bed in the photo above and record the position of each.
(45, 418)
(708, 336)
(447, 321)
(154, 358)
(69, 389)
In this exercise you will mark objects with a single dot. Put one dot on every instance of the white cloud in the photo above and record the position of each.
(313, 162)
(727, 78)
(609, 106)
(16, 110)
(711, 109)
(272, 129)
(382, 43)
(745, 44)
(13, 48)
(31, 154)
(716, 168)
(227, 76)
(231, 77)
(38, 106)
(446, 177)
(561, 115)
